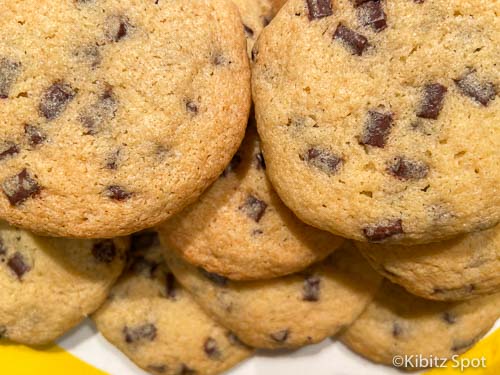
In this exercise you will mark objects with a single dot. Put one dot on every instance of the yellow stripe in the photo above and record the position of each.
(489, 348)
(50, 360)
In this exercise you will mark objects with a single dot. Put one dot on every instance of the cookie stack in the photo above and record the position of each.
(359, 200)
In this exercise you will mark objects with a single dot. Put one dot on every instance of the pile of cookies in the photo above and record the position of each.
(358, 199)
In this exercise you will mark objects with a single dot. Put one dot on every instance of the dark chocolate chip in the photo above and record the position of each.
(311, 288)
(17, 264)
(3, 248)
(380, 232)
(449, 318)
(9, 72)
(219, 59)
(235, 340)
(113, 160)
(354, 41)
(89, 55)
(377, 129)
(233, 165)
(170, 285)
(481, 91)
(406, 169)
(104, 251)
(211, 348)
(185, 370)
(323, 160)
(254, 208)
(117, 28)
(191, 107)
(280, 336)
(261, 162)
(214, 277)
(145, 332)
(160, 369)
(20, 187)
(396, 330)
(8, 149)
(117, 193)
(143, 241)
(319, 9)
(34, 135)
(104, 109)
(432, 101)
(55, 100)
(3, 332)
(372, 14)
(248, 31)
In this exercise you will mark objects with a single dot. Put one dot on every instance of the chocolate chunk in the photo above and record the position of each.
(89, 55)
(104, 251)
(311, 289)
(248, 31)
(214, 277)
(372, 14)
(377, 129)
(191, 107)
(233, 165)
(319, 9)
(261, 162)
(55, 100)
(117, 28)
(104, 109)
(280, 336)
(406, 169)
(323, 160)
(20, 187)
(376, 233)
(143, 240)
(34, 135)
(481, 91)
(145, 332)
(449, 318)
(170, 285)
(113, 160)
(396, 330)
(117, 193)
(160, 369)
(432, 101)
(211, 349)
(185, 370)
(8, 149)
(354, 41)
(9, 72)
(17, 264)
(254, 208)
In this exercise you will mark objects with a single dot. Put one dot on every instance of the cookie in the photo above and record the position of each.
(255, 15)
(397, 323)
(114, 115)
(240, 228)
(156, 323)
(49, 285)
(286, 312)
(457, 269)
(380, 119)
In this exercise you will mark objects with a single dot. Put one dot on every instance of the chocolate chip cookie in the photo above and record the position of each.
(380, 119)
(114, 115)
(49, 285)
(397, 323)
(457, 269)
(286, 312)
(156, 323)
(240, 228)
(255, 15)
